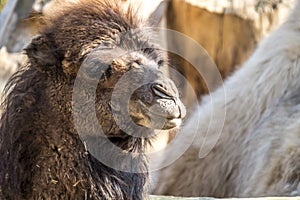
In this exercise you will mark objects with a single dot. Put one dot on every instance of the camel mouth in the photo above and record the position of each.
(157, 118)
(172, 123)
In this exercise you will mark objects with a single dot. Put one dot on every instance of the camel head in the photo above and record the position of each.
(109, 60)
(134, 90)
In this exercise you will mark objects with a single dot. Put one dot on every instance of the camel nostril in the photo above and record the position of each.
(160, 91)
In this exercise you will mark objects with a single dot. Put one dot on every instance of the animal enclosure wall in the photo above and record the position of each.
(227, 30)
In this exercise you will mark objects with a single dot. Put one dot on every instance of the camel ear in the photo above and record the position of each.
(43, 54)
(158, 14)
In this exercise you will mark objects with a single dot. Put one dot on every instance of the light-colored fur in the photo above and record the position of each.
(254, 119)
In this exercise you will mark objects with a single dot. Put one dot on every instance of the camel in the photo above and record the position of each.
(92, 65)
(247, 132)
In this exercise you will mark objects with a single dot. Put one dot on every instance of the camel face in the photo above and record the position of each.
(132, 91)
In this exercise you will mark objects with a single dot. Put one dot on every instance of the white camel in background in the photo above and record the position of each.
(257, 150)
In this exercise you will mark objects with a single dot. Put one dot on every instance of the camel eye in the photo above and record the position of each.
(135, 65)
(160, 63)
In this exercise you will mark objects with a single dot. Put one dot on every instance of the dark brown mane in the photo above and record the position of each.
(29, 91)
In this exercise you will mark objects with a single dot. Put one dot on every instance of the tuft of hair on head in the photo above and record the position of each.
(74, 28)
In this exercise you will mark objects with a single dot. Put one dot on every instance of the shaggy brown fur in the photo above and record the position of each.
(42, 156)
